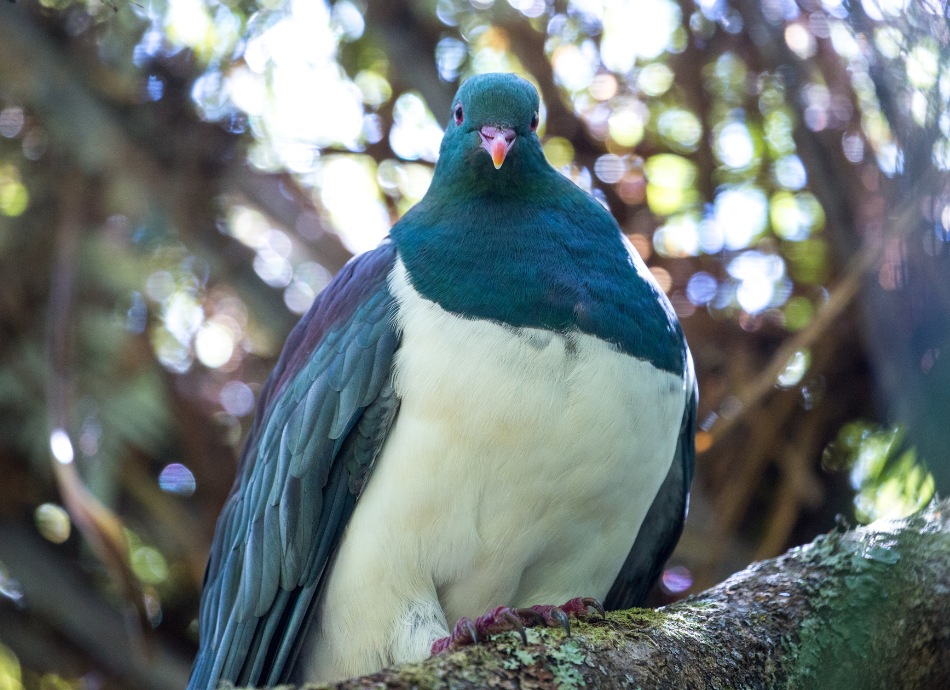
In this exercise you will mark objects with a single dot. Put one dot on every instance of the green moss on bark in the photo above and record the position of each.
(860, 594)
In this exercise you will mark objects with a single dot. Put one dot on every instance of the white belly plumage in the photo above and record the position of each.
(518, 471)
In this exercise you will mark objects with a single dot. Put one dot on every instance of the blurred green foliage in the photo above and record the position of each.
(888, 480)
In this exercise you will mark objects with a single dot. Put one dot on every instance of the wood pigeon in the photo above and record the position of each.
(495, 407)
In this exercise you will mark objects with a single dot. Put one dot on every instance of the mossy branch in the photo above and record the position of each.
(866, 608)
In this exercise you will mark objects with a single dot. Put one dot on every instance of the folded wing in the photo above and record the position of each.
(321, 420)
(663, 523)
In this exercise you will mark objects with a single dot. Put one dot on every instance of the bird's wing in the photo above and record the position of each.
(663, 523)
(320, 422)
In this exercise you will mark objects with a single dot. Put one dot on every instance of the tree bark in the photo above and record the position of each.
(867, 608)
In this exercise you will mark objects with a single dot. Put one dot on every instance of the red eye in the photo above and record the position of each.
(459, 115)
(534, 122)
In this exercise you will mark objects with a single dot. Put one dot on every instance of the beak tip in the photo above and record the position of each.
(498, 151)
(497, 142)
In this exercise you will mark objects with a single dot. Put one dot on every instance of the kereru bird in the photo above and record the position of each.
(494, 407)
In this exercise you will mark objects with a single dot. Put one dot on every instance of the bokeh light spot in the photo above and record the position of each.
(529, 8)
(347, 20)
(795, 216)
(852, 145)
(741, 212)
(790, 172)
(11, 121)
(603, 87)
(800, 40)
(757, 274)
(11, 674)
(676, 580)
(633, 30)
(923, 66)
(160, 285)
(680, 127)
(299, 296)
(182, 316)
(52, 521)
(663, 278)
(678, 237)
(11, 589)
(149, 565)
(575, 66)
(642, 245)
(349, 192)
(798, 312)
(61, 447)
(701, 288)
(795, 369)
(890, 159)
(559, 152)
(415, 133)
(214, 345)
(374, 88)
(14, 198)
(450, 55)
(734, 146)
(655, 79)
(609, 168)
(177, 479)
(237, 398)
(625, 127)
(668, 170)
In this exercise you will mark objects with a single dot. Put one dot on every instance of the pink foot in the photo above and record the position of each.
(507, 619)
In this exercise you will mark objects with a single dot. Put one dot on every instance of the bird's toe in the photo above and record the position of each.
(560, 616)
(498, 620)
(506, 619)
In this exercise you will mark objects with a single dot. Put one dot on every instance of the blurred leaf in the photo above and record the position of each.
(808, 260)
(889, 481)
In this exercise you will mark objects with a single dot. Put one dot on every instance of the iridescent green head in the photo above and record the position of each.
(493, 124)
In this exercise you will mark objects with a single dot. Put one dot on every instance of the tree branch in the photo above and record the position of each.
(859, 609)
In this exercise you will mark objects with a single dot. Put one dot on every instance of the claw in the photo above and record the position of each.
(471, 629)
(596, 605)
(581, 606)
(558, 614)
(517, 624)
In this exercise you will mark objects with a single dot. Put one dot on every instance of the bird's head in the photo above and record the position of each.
(491, 137)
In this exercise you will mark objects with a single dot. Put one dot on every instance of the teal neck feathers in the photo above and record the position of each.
(522, 245)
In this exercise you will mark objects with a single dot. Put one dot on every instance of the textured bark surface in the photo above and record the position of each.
(868, 608)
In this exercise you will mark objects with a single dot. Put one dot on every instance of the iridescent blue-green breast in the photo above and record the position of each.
(554, 261)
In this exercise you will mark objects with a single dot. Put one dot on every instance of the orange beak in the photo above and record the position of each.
(497, 142)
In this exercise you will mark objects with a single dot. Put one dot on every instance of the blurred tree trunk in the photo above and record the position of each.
(860, 609)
